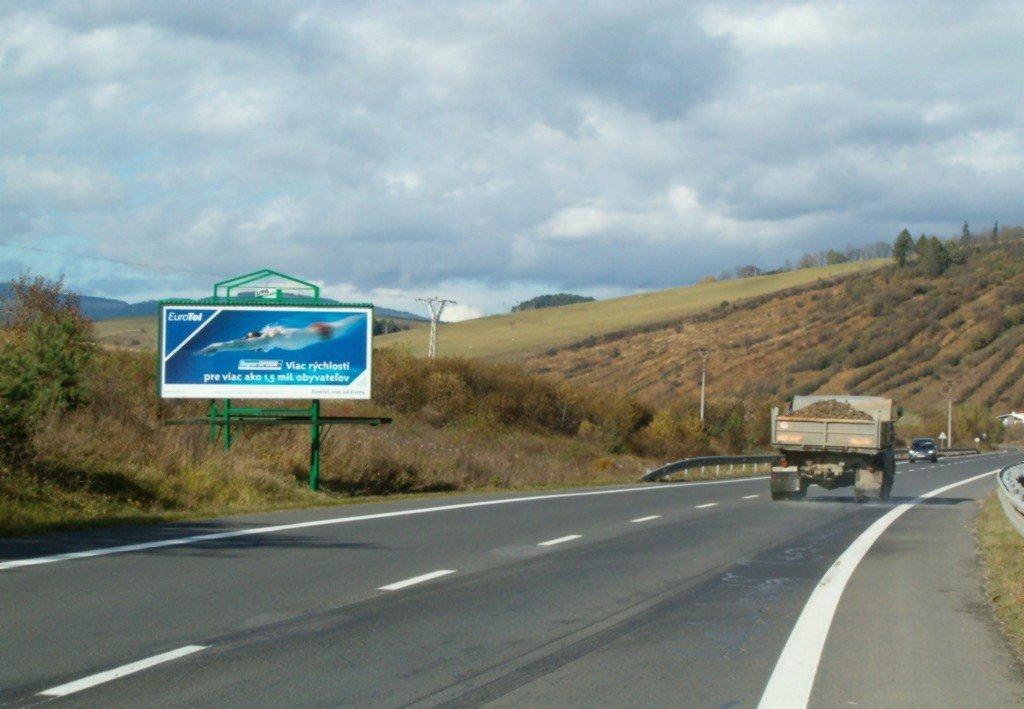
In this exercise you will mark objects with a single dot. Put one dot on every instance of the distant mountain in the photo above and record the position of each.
(403, 314)
(97, 308)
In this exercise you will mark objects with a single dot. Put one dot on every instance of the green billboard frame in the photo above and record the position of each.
(220, 417)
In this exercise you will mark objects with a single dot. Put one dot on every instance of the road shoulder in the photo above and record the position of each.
(914, 627)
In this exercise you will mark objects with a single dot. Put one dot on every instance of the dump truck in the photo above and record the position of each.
(834, 441)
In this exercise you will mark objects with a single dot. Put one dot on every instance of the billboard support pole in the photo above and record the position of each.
(314, 445)
(213, 421)
(227, 424)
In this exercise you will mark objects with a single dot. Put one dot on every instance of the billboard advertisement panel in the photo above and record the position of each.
(265, 352)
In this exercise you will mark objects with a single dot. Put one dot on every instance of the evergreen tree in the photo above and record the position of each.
(995, 232)
(966, 238)
(902, 248)
(921, 246)
(936, 258)
(956, 254)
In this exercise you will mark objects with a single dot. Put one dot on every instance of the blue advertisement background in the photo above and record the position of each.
(188, 366)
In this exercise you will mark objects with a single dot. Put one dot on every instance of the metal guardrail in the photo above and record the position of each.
(718, 461)
(1011, 495)
(901, 453)
(707, 461)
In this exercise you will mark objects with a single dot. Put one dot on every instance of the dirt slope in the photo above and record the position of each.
(892, 332)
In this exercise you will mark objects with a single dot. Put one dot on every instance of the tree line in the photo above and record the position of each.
(811, 259)
(933, 256)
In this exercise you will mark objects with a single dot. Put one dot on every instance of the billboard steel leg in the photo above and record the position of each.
(314, 445)
(227, 424)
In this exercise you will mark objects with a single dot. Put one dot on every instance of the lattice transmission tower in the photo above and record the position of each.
(436, 306)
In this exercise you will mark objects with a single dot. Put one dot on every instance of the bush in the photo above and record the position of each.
(45, 352)
(674, 432)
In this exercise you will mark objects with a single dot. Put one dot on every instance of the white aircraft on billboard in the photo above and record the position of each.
(284, 338)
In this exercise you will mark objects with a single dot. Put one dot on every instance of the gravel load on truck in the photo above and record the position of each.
(830, 409)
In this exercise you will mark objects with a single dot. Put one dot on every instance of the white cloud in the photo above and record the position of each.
(493, 151)
(989, 152)
(772, 26)
(57, 183)
(456, 312)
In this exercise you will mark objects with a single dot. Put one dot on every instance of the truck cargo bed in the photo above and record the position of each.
(795, 433)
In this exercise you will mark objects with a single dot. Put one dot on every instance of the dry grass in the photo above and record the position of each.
(1002, 552)
(175, 473)
(516, 334)
(458, 427)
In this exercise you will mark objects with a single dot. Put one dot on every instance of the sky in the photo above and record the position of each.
(490, 152)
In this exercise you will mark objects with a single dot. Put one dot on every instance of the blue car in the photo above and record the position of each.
(923, 449)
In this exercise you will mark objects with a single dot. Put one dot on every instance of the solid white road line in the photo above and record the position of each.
(100, 677)
(648, 518)
(793, 677)
(705, 505)
(416, 579)
(199, 538)
(552, 542)
(750, 497)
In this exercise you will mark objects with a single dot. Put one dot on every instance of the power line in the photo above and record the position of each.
(123, 262)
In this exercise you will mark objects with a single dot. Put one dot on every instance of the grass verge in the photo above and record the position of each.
(29, 505)
(1002, 553)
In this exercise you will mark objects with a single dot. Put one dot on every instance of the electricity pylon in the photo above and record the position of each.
(436, 306)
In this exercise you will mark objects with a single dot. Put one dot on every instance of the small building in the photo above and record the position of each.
(1011, 419)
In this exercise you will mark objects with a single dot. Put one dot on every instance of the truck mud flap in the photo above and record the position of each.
(868, 485)
(785, 481)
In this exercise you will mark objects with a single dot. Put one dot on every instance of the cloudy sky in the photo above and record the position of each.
(493, 151)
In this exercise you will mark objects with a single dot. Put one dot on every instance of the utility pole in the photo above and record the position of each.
(703, 353)
(950, 386)
(436, 306)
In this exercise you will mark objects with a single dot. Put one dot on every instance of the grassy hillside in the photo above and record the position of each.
(133, 333)
(891, 331)
(517, 334)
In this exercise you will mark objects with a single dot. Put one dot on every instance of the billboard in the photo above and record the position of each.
(265, 352)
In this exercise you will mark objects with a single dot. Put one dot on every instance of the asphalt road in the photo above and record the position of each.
(664, 595)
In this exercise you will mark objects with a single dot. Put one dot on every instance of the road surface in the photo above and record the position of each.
(662, 595)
